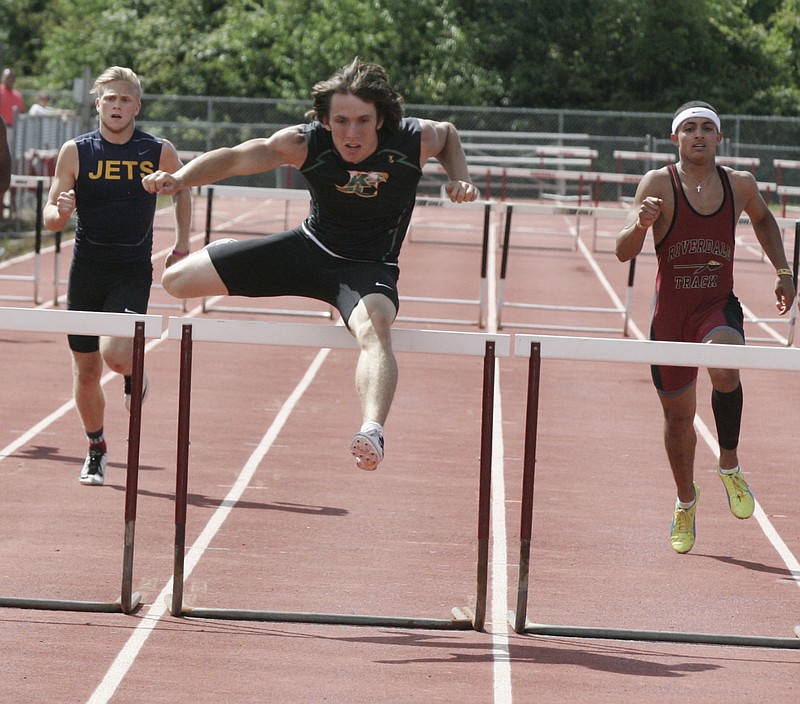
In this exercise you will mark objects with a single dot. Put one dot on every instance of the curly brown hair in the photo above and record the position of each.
(366, 81)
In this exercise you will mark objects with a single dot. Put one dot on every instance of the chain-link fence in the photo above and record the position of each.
(199, 124)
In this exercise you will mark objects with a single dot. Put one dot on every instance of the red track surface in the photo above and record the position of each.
(311, 533)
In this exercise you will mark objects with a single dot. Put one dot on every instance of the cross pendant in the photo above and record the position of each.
(698, 188)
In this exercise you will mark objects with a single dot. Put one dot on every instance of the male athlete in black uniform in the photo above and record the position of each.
(362, 161)
(99, 174)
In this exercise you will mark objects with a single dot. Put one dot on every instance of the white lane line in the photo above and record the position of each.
(127, 655)
(501, 655)
(46, 422)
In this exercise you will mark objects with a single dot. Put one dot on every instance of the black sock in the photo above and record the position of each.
(727, 409)
(97, 441)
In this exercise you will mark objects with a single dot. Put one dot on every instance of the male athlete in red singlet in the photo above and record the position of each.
(693, 207)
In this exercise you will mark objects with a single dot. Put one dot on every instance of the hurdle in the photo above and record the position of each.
(37, 183)
(488, 208)
(633, 351)
(490, 346)
(119, 325)
(790, 319)
(624, 311)
(289, 194)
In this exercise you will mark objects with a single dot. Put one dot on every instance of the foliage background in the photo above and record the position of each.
(641, 55)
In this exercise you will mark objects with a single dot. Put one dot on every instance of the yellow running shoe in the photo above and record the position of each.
(740, 498)
(683, 526)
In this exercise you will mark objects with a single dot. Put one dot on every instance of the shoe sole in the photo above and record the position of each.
(367, 457)
(92, 480)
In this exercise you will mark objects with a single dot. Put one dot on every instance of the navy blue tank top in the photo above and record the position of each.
(114, 212)
(362, 211)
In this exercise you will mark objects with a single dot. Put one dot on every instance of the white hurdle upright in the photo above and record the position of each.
(138, 327)
(38, 184)
(488, 345)
(639, 352)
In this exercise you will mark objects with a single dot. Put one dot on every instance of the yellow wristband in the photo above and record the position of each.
(784, 272)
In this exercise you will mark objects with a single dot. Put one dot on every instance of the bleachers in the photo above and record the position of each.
(655, 159)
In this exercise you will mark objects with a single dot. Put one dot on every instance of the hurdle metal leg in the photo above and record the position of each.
(129, 600)
(463, 618)
(519, 620)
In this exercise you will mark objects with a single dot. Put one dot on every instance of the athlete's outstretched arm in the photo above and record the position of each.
(286, 146)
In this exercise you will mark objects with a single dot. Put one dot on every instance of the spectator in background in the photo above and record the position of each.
(5, 159)
(5, 164)
(10, 97)
(42, 106)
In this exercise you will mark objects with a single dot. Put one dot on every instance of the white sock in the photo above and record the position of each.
(684, 504)
(729, 471)
(372, 425)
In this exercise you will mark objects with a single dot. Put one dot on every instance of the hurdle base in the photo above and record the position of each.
(590, 632)
(11, 602)
(460, 621)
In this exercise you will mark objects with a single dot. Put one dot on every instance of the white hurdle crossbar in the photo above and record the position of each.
(116, 325)
(631, 351)
(682, 354)
(488, 345)
(74, 322)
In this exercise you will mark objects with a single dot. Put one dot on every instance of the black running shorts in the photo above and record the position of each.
(292, 264)
(106, 288)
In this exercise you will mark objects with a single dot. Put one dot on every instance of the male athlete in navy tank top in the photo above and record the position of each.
(110, 183)
(98, 177)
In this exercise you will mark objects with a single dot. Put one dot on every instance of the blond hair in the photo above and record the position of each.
(116, 73)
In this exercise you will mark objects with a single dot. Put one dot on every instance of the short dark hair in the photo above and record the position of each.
(366, 81)
(694, 104)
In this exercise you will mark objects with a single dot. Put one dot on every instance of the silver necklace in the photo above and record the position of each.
(698, 186)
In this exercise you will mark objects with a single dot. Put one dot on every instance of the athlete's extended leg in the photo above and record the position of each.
(193, 277)
(680, 439)
(726, 402)
(87, 368)
(376, 374)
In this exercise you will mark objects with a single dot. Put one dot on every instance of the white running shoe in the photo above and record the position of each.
(367, 448)
(94, 468)
(145, 390)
